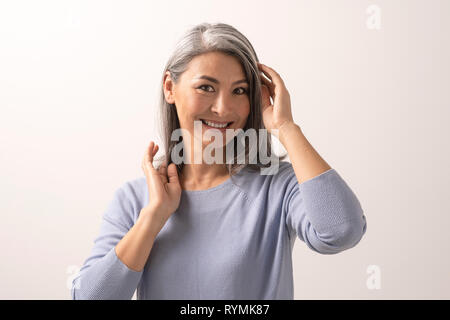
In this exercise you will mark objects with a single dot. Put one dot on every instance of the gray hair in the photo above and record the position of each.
(204, 38)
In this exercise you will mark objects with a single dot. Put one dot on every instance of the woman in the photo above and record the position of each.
(190, 230)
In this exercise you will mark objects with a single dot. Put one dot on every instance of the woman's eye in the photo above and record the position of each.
(244, 91)
(204, 86)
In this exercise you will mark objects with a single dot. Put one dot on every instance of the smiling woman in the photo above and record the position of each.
(190, 231)
(219, 64)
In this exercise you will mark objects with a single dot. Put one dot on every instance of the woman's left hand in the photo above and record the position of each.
(274, 116)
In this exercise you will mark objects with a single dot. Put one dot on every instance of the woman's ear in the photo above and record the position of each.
(168, 87)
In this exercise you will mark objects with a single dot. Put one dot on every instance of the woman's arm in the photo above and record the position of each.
(134, 248)
(115, 266)
(103, 275)
(307, 163)
(323, 211)
(321, 208)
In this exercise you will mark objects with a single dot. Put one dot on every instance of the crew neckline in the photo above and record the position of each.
(212, 189)
(219, 186)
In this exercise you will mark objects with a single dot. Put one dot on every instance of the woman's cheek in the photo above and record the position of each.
(245, 110)
(199, 103)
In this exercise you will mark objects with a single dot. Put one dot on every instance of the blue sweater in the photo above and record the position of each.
(232, 241)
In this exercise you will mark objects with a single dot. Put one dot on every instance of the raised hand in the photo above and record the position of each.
(164, 189)
(279, 113)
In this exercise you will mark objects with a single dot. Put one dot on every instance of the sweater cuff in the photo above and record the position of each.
(107, 279)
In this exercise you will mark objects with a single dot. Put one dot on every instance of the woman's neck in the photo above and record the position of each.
(203, 176)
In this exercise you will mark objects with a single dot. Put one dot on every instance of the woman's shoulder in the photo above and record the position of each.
(134, 191)
(275, 171)
(255, 180)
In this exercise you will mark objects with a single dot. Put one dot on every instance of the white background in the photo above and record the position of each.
(79, 83)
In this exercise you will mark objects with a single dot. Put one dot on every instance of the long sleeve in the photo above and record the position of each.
(103, 275)
(323, 212)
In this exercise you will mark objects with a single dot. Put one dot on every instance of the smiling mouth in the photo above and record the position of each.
(216, 125)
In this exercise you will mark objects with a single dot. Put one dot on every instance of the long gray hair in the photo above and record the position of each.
(200, 39)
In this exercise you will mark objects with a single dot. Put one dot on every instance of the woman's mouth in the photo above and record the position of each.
(216, 125)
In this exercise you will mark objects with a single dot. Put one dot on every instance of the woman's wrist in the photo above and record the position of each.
(286, 130)
(148, 220)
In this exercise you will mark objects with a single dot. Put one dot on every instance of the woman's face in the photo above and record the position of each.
(221, 99)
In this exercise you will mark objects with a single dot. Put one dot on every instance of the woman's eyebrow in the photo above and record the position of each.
(217, 81)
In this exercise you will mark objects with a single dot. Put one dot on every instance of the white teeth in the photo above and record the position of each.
(215, 125)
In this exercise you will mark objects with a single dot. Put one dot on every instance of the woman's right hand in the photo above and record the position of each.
(164, 189)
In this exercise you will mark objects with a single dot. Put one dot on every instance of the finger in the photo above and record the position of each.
(151, 152)
(273, 76)
(269, 85)
(148, 169)
(265, 97)
(173, 174)
(153, 180)
(148, 157)
(264, 70)
(163, 172)
(268, 71)
(265, 77)
(145, 160)
(279, 89)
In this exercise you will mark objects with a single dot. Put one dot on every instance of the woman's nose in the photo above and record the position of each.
(222, 105)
